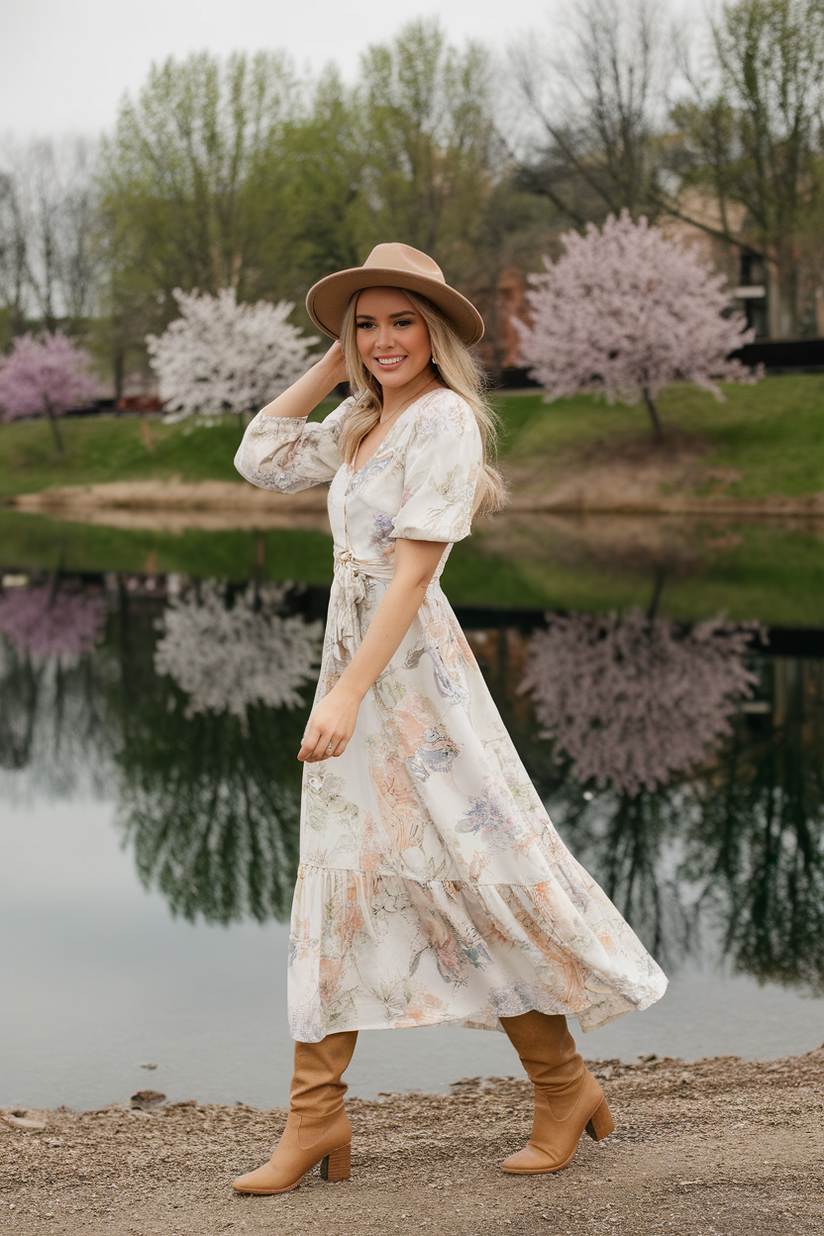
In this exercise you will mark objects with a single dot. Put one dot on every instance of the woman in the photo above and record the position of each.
(432, 886)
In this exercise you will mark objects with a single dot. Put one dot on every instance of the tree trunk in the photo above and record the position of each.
(119, 367)
(658, 587)
(649, 404)
(58, 440)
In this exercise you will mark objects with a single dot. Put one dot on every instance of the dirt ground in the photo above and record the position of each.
(723, 1147)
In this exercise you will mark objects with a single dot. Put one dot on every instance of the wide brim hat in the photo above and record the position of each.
(392, 266)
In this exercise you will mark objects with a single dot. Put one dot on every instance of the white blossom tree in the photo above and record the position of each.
(625, 311)
(631, 700)
(228, 659)
(221, 356)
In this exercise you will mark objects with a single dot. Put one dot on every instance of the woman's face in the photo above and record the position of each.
(393, 339)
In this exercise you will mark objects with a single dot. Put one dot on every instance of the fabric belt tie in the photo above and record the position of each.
(352, 579)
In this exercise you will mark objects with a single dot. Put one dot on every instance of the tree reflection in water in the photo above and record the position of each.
(52, 691)
(231, 650)
(698, 828)
(717, 823)
(632, 700)
(758, 844)
(210, 796)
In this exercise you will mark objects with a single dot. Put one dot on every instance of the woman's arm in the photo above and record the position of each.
(305, 394)
(333, 721)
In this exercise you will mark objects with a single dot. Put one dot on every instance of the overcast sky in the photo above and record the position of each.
(65, 64)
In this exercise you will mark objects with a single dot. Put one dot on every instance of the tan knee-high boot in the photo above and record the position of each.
(568, 1099)
(318, 1129)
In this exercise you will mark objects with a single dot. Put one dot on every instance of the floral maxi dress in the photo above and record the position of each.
(432, 886)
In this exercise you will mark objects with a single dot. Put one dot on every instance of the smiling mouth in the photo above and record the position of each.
(387, 362)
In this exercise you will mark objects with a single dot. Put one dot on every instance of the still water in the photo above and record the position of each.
(664, 684)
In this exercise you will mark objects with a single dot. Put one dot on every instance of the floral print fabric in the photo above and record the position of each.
(432, 885)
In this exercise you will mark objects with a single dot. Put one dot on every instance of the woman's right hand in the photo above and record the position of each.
(305, 394)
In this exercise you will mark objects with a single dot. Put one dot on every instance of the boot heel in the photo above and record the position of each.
(337, 1164)
(600, 1123)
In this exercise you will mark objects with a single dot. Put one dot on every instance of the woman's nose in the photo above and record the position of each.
(386, 336)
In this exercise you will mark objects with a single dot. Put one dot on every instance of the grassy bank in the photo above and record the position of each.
(766, 440)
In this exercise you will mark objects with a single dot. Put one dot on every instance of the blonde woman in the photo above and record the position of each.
(432, 886)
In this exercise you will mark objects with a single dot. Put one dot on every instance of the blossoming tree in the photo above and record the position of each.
(45, 377)
(625, 311)
(632, 700)
(219, 356)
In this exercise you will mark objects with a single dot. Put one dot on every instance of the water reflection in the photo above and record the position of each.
(683, 765)
(631, 700)
(725, 840)
(229, 649)
(757, 848)
(209, 786)
(53, 620)
(53, 729)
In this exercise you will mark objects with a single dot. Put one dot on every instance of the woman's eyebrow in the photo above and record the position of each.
(406, 313)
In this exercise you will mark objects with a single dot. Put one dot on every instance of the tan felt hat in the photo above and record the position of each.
(392, 266)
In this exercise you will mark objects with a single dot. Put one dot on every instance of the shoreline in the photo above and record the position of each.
(226, 504)
(722, 1145)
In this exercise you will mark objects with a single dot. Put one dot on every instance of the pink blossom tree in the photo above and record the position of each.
(45, 377)
(632, 700)
(625, 311)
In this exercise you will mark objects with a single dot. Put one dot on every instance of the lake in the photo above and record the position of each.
(663, 681)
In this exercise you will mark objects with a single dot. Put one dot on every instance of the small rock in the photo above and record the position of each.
(145, 1100)
(17, 1122)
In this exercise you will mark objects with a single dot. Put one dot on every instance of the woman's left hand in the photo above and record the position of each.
(331, 725)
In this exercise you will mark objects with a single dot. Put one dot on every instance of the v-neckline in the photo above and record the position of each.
(357, 471)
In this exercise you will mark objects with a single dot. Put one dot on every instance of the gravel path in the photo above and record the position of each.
(723, 1147)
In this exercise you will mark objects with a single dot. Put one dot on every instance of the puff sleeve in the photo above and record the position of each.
(288, 454)
(443, 463)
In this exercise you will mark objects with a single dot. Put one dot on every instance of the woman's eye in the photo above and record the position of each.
(403, 322)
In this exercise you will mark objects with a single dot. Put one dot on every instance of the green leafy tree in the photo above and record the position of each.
(432, 155)
(222, 174)
(752, 139)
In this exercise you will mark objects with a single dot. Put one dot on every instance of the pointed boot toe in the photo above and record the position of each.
(264, 1180)
(304, 1144)
(529, 1162)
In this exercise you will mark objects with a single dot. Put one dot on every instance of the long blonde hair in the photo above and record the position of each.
(455, 367)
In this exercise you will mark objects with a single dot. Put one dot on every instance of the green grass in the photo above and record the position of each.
(116, 448)
(771, 433)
